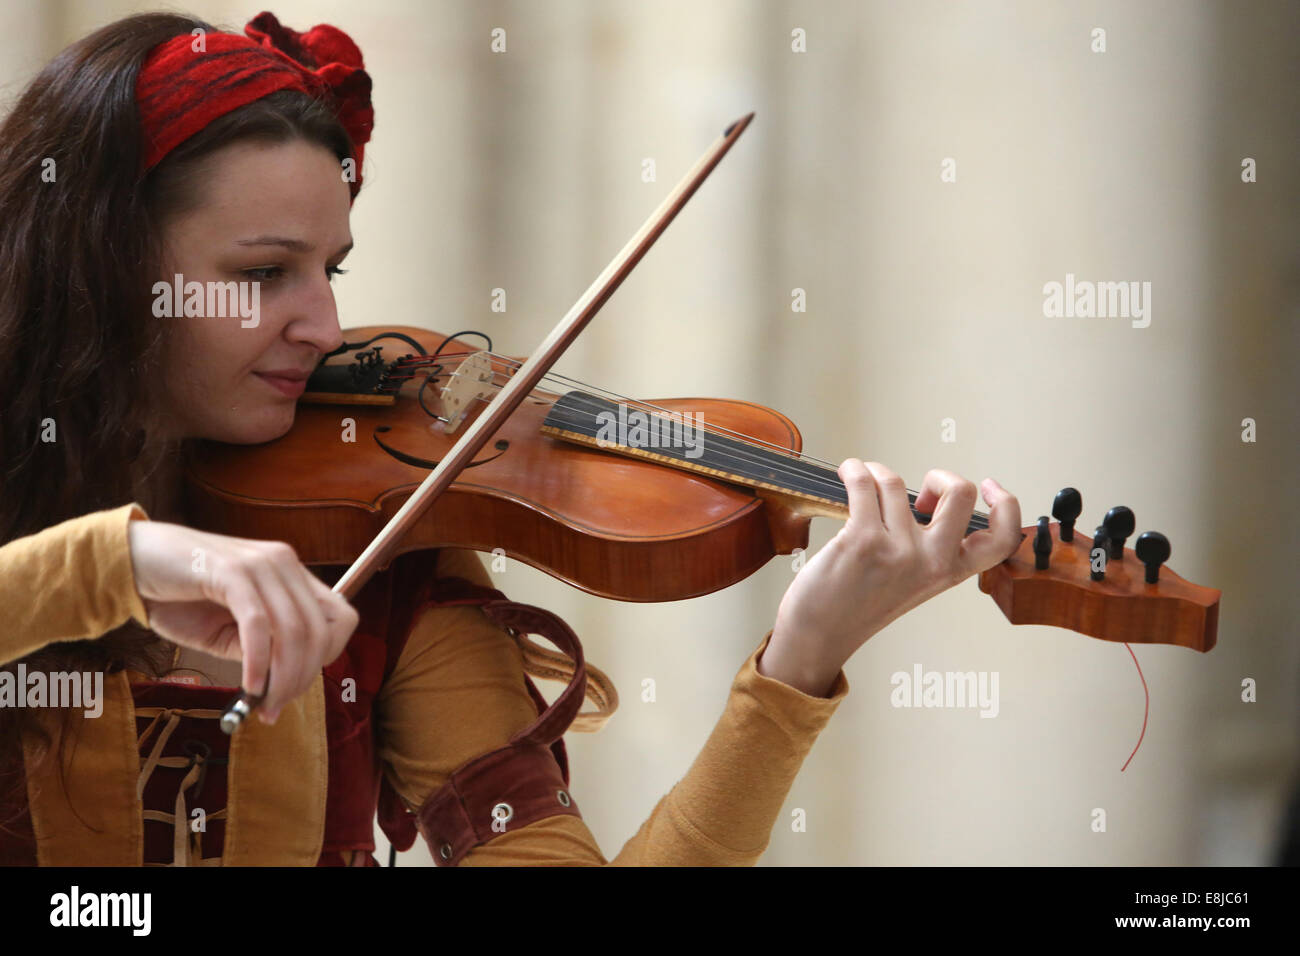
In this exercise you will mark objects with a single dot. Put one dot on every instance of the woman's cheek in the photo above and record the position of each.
(210, 372)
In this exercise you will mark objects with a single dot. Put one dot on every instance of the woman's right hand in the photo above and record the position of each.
(240, 599)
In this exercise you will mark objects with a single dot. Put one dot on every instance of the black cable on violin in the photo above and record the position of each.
(483, 335)
(392, 855)
(351, 346)
(420, 394)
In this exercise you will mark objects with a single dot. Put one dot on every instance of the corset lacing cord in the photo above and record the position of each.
(551, 665)
(196, 764)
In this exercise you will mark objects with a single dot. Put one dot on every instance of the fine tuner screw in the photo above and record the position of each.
(1065, 509)
(1152, 549)
(1119, 524)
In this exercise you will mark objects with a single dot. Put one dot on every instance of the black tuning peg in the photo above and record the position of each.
(1067, 506)
(1099, 540)
(1042, 544)
(1153, 550)
(1119, 524)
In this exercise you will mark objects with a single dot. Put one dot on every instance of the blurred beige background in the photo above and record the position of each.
(522, 170)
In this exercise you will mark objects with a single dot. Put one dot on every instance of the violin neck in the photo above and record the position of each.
(676, 441)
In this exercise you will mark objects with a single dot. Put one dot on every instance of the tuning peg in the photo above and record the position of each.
(1099, 541)
(1067, 507)
(1153, 550)
(1042, 544)
(1119, 524)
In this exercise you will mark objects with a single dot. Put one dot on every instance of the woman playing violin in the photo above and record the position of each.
(160, 147)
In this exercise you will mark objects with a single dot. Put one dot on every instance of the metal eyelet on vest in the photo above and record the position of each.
(562, 797)
(444, 851)
(503, 812)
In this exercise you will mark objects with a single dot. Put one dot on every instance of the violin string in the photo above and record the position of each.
(784, 457)
(564, 382)
(813, 469)
(777, 456)
(817, 475)
(751, 467)
(575, 383)
(780, 459)
(833, 488)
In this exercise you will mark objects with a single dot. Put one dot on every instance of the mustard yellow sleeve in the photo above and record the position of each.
(458, 691)
(69, 582)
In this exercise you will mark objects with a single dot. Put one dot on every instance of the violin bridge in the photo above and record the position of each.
(472, 380)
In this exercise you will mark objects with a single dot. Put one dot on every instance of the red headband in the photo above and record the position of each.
(181, 90)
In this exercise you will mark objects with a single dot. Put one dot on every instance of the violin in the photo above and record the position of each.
(632, 500)
(639, 501)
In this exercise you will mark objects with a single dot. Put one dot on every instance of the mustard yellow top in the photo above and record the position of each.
(458, 672)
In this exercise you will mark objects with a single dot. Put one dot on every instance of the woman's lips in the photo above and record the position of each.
(289, 387)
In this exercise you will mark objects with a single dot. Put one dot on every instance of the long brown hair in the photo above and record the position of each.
(80, 249)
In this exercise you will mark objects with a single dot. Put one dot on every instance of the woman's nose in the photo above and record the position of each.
(317, 321)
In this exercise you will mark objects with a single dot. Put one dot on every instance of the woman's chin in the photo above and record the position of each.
(264, 426)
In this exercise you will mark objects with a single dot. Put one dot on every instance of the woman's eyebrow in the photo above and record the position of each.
(294, 245)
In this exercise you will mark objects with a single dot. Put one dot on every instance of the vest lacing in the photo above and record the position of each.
(549, 665)
(187, 847)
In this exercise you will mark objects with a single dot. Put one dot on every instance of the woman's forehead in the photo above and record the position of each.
(291, 190)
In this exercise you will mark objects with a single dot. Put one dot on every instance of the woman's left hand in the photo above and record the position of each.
(882, 564)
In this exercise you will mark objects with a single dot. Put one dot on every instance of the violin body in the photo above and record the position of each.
(613, 526)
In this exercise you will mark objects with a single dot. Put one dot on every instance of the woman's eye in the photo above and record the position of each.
(271, 273)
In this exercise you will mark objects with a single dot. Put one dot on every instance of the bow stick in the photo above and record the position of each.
(380, 551)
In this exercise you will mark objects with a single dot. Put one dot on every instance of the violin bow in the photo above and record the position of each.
(381, 550)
